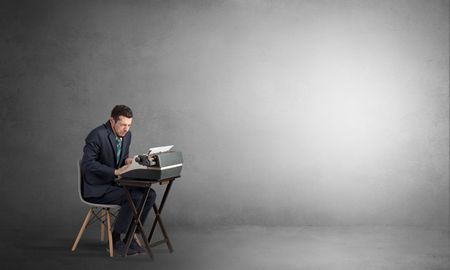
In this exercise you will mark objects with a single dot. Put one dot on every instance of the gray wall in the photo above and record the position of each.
(287, 112)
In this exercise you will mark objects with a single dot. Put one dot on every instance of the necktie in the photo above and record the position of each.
(119, 147)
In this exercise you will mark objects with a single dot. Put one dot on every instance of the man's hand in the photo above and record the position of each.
(128, 161)
(121, 170)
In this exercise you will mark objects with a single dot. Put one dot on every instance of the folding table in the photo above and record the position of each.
(137, 212)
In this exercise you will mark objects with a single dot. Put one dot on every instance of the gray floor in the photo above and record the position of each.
(244, 247)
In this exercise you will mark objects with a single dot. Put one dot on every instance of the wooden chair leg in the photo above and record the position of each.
(110, 240)
(83, 227)
(102, 225)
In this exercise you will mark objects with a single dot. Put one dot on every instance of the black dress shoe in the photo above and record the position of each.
(134, 245)
(119, 249)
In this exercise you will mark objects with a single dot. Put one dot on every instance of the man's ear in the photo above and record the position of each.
(111, 121)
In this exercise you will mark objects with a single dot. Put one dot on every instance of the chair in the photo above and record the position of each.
(96, 212)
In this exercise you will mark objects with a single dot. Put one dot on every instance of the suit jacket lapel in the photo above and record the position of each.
(112, 140)
(125, 143)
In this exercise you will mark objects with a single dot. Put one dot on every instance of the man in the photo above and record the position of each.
(105, 156)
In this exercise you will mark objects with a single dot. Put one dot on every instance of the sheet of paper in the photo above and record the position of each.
(159, 149)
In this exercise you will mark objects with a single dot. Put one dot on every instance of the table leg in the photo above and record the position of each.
(158, 220)
(137, 213)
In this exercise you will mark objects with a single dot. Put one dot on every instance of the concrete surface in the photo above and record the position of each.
(240, 247)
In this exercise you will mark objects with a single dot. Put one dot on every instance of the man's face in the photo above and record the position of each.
(121, 126)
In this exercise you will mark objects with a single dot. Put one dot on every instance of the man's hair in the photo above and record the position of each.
(121, 110)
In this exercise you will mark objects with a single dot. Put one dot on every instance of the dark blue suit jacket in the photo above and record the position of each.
(100, 159)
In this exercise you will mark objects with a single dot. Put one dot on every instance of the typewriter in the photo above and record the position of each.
(155, 165)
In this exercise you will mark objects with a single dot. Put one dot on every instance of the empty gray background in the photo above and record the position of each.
(287, 112)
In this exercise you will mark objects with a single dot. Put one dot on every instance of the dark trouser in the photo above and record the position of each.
(117, 195)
